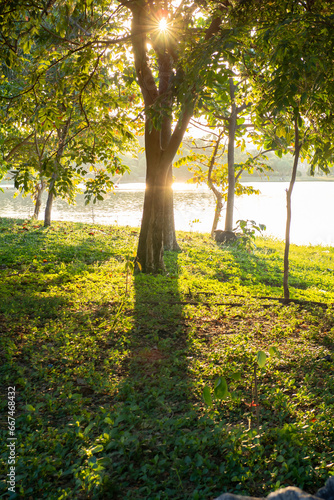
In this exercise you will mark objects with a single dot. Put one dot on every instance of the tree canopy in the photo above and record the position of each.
(79, 77)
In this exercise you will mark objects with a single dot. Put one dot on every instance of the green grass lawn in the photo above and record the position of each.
(109, 385)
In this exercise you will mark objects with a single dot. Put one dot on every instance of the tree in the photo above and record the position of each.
(225, 109)
(95, 25)
(70, 108)
(211, 167)
(295, 82)
(172, 47)
(162, 38)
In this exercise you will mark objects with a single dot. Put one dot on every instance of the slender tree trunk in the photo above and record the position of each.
(218, 210)
(38, 199)
(49, 202)
(288, 218)
(165, 74)
(217, 194)
(232, 126)
(62, 134)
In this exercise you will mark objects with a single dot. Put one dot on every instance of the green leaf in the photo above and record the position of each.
(221, 389)
(129, 266)
(236, 376)
(261, 358)
(96, 449)
(30, 408)
(273, 351)
(88, 428)
(207, 395)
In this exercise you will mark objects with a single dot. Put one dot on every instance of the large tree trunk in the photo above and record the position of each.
(151, 237)
(160, 144)
(232, 127)
(288, 218)
(158, 163)
(150, 246)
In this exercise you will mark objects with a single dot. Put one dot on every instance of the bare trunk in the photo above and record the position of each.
(288, 218)
(151, 239)
(219, 207)
(160, 145)
(62, 133)
(49, 202)
(151, 245)
(165, 74)
(38, 199)
(232, 126)
(217, 194)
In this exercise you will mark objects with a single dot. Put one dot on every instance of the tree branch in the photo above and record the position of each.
(17, 147)
(59, 37)
(178, 134)
(254, 158)
(75, 23)
(44, 71)
(144, 74)
(86, 84)
(243, 106)
(211, 165)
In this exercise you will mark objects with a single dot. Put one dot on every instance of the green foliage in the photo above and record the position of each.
(246, 232)
(64, 111)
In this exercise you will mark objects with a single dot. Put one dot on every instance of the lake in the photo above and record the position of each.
(313, 205)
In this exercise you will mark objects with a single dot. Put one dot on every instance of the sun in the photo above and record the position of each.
(163, 25)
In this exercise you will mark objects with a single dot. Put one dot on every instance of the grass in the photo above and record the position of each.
(109, 386)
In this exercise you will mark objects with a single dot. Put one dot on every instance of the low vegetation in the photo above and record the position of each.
(109, 368)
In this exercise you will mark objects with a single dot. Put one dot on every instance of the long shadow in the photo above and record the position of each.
(121, 368)
(156, 409)
(255, 269)
(153, 389)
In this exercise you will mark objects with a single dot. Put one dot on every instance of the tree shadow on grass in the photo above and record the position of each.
(254, 269)
(166, 439)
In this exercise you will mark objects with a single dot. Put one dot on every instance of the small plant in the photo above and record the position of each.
(246, 230)
(129, 269)
(220, 390)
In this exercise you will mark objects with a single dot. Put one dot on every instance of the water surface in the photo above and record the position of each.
(312, 208)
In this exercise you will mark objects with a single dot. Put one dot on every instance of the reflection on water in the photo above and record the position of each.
(313, 204)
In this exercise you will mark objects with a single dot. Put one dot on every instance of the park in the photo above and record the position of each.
(140, 360)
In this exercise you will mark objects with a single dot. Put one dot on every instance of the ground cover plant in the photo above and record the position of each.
(109, 368)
